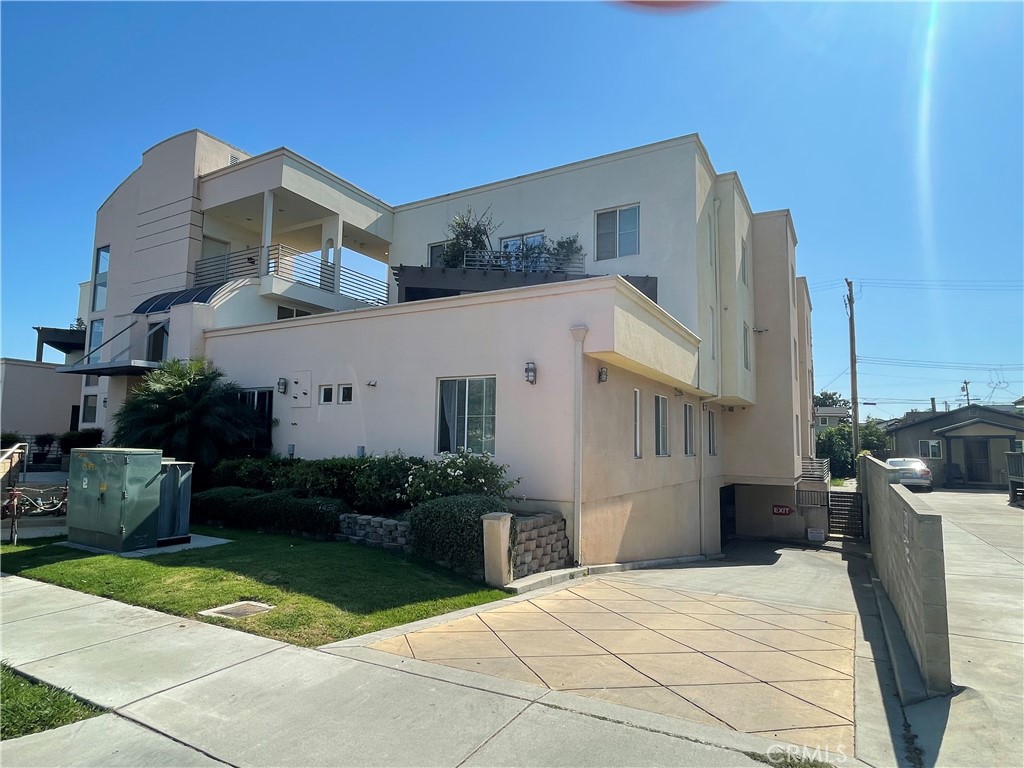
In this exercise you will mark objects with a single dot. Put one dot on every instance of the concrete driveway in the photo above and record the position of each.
(984, 550)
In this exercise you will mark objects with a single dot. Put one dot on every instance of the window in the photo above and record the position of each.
(434, 253)
(823, 421)
(89, 409)
(344, 393)
(743, 261)
(95, 340)
(1018, 446)
(618, 233)
(517, 243)
(326, 394)
(796, 367)
(711, 330)
(637, 453)
(465, 415)
(688, 423)
(798, 435)
(746, 346)
(99, 279)
(712, 434)
(661, 444)
(156, 342)
(284, 313)
(792, 272)
(929, 449)
(92, 381)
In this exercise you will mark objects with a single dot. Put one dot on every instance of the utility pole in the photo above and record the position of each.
(853, 369)
(966, 389)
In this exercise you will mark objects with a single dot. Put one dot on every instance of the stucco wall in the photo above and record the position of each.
(907, 552)
(34, 399)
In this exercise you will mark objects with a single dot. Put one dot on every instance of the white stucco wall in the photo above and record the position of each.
(34, 399)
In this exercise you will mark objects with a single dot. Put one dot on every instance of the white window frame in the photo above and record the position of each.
(618, 231)
(662, 444)
(746, 346)
(99, 280)
(688, 430)
(712, 434)
(340, 400)
(465, 415)
(929, 453)
(637, 431)
(325, 394)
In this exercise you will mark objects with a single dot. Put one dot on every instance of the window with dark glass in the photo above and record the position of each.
(95, 340)
(466, 415)
(618, 233)
(99, 279)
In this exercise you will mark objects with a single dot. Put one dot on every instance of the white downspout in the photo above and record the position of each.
(579, 333)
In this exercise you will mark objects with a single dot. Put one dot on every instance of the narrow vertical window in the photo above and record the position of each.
(326, 394)
(636, 424)
(743, 261)
(99, 278)
(466, 415)
(746, 346)
(89, 409)
(799, 436)
(688, 430)
(661, 443)
(711, 330)
(95, 340)
(712, 435)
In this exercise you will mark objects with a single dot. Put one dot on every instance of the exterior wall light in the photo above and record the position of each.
(371, 383)
(282, 385)
(602, 375)
(531, 373)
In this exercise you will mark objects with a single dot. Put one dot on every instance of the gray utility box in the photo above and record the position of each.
(123, 499)
(175, 498)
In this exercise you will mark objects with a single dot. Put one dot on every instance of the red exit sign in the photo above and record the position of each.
(781, 509)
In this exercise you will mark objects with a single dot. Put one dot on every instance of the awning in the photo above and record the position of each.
(111, 368)
(164, 301)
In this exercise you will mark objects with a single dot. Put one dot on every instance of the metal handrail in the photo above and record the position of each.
(228, 266)
(815, 469)
(362, 287)
(8, 455)
(520, 261)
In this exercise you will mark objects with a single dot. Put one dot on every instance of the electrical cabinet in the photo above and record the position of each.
(175, 500)
(114, 498)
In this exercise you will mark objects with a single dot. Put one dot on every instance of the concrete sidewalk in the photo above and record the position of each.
(186, 693)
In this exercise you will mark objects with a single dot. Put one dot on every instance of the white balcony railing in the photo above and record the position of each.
(290, 264)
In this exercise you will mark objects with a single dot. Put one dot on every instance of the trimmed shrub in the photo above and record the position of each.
(279, 510)
(11, 439)
(86, 438)
(263, 474)
(449, 530)
(456, 474)
(378, 483)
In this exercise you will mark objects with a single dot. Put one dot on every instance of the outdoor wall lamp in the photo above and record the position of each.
(531, 373)
(371, 383)
(759, 330)
(602, 375)
(282, 385)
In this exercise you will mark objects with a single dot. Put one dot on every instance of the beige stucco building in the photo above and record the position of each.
(657, 392)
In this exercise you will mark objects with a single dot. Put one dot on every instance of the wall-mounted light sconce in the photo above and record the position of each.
(371, 383)
(602, 375)
(531, 373)
(759, 330)
(282, 385)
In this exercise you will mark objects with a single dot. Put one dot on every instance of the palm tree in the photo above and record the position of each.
(186, 409)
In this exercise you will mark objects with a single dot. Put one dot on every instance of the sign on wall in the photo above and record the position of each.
(781, 509)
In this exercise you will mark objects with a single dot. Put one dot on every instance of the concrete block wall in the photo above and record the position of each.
(907, 550)
(542, 544)
(380, 532)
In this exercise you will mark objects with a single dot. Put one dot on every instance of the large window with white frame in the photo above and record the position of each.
(637, 434)
(618, 233)
(434, 253)
(95, 340)
(712, 434)
(661, 437)
(466, 415)
(101, 266)
(929, 449)
(689, 430)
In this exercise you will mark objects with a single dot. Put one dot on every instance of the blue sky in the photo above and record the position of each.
(894, 133)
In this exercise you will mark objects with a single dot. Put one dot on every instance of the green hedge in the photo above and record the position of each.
(86, 438)
(449, 530)
(282, 510)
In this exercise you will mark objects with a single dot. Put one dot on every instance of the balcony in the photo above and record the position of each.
(522, 261)
(815, 475)
(293, 266)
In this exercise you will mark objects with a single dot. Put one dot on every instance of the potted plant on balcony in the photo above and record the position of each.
(43, 444)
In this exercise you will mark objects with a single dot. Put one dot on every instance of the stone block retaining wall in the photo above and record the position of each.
(542, 544)
(379, 532)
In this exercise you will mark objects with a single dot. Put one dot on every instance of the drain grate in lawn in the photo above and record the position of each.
(238, 610)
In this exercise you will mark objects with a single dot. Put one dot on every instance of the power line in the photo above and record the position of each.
(937, 364)
(925, 285)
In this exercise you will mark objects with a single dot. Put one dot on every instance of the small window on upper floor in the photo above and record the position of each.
(618, 233)
(688, 429)
(344, 393)
(792, 273)
(746, 346)
(434, 253)
(326, 394)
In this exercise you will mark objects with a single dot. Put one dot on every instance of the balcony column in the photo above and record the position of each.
(268, 232)
(331, 231)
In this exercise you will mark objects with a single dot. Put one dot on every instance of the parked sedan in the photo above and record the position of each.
(914, 473)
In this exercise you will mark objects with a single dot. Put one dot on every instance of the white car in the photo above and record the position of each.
(914, 473)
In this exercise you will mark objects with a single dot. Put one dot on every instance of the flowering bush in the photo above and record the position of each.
(457, 474)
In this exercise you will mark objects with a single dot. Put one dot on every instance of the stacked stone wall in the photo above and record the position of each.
(542, 544)
(379, 532)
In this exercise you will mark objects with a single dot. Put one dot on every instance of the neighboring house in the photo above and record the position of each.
(657, 391)
(970, 442)
(826, 417)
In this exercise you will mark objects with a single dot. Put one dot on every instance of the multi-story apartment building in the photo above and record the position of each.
(656, 390)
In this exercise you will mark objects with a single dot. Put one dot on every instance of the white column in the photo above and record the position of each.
(579, 333)
(268, 232)
(331, 229)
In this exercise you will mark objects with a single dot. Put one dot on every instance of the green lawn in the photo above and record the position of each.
(30, 707)
(321, 591)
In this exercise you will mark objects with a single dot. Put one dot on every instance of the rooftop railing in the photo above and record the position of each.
(521, 261)
(290, 264)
